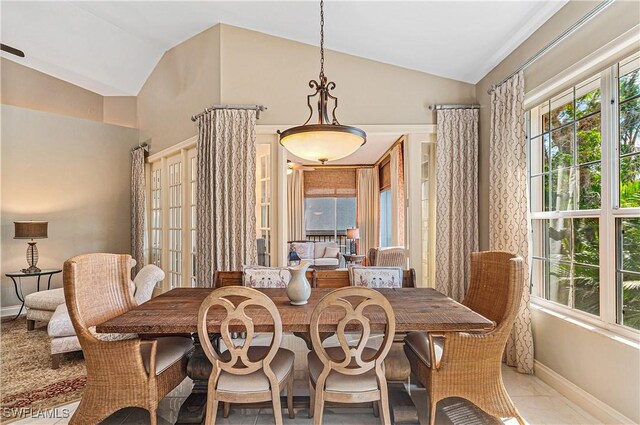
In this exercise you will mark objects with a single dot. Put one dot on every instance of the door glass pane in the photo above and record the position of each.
(561, 189)
(589, 139)
(630, 181)
(586, 281)
(562, 147)
(589, 183)
(559, 283)
(562, 109)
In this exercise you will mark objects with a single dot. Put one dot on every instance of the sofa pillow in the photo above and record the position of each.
(145, 281)
(376, 277)
(331, 252)
(303, 249)
(265, 277)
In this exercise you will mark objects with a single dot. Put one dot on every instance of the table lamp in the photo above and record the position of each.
(31, 230)
(353, 234)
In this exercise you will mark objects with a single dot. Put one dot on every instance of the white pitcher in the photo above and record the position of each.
(299, 289)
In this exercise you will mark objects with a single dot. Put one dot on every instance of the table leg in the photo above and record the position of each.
(193, 409)
(15, 286)
(38, 288)
(49, 282)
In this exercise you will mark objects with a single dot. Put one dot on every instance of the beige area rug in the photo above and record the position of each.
(28, 384)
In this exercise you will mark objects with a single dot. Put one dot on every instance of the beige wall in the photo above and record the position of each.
(259, 68)
(226, 64)
(27, 88)
(185, 81)
(606, 368)
(120, 110)
(71, 172)
(31, 89)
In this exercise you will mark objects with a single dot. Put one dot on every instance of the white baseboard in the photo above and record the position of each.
(584, 400)
(10, 310)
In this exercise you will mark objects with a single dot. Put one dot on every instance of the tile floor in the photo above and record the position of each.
(538, 403)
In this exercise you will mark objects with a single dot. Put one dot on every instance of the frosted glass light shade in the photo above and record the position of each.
(322, 143)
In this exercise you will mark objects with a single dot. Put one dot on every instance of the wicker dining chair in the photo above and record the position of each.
(122, 370)
(469, 365)
(350, 374)
(245, 373)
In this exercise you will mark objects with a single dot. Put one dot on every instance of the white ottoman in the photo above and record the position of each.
(41, 305)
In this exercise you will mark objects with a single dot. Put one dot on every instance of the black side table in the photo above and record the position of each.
(19, 275)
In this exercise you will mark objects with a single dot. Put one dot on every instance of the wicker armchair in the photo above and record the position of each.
(122, 370)
(387, 257)
(470, 365)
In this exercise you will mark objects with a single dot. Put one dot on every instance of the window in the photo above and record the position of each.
(175, 223)
(263, 204)
(385, 218)
(327, 219)
(156, 215)
(192, 216)
(584, 170)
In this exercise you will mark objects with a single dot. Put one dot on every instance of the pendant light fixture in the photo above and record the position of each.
(327, 140)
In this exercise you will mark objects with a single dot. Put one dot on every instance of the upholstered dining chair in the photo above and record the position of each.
(469, 365)
(122, 370)
(350, 374)
(245, 373)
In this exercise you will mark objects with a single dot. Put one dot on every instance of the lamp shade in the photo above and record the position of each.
(30, 229)
(353, 233)
(322, 142)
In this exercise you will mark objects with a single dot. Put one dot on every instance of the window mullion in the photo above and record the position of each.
(608, 197)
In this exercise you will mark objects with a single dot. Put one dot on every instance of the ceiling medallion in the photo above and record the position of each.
(327, 140)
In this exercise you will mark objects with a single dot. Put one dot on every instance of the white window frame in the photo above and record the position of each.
(610, 211)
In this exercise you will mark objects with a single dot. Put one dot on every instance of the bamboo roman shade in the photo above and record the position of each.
(330, 183)
(385, 174)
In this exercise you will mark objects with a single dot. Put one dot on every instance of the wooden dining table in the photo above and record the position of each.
(176, 312)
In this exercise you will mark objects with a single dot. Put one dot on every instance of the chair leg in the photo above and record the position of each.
(376, 409)
(432, 411)
(31, 325)
(292, 413)
(312, 398)
(318, 408)
(153, 417)
(277, 408)
(226, 409)
(212, 411)
(385, 415)
(55, 360)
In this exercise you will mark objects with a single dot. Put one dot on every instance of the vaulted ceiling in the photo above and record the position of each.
(112, 47)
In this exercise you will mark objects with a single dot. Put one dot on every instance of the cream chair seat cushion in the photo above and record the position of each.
(45, 300)
(282, 365)
(326, 262)
(170, 350)
(418, 342)
(338, 382)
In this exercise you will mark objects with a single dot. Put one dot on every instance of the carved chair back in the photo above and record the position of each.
(352, 301)
(240, 303)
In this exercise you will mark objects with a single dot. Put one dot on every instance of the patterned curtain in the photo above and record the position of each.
(457, 199)
(509, 203)
(295, 205)
(226, 195)
(368, 208)
(138, 209)
(397, 194)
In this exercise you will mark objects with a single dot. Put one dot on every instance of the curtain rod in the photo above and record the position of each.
(441, 107)
(144, 146)
(586, 18)
(257, 108)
